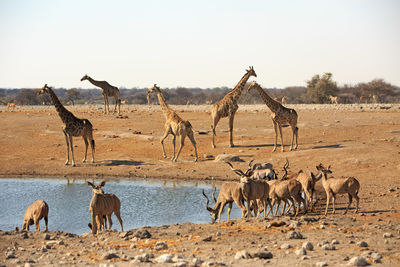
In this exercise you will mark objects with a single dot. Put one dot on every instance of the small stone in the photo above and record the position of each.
(262, 255)
(46, 236)
(362, 244)
(133, 246)
(321, 264)
(387, 235)
(197, 261)
(335, 242)
(165, 258)
(242, 255)
(375, 255)
(308, 245)
(285, 246)
(304, 258)
(180, 264)
(328, 247)
(142, 234)
(294, 235)
(110, 255)
(10, 255)
(161, 246)
(300, 252)
(207, 239)
(357, 261)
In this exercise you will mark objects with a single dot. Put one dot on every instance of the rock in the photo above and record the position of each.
(362, 244)
(25, 235)
(133, 246)
(46, 236)
(321, 264)
(286, 246)
(294, 224)
(375, 255)
(161, 246)
(262, 255)
(109, 255)
(294, 235)
(328, 247)
(243, 254)
(308, 245)
(358, 261)
(335, 242)
(142, 234)
(207, 239)
(304, 258)
(300, 252)
(125, 234)
(310, 219)
(208, 156)
(387, 235)
(197, 261)
(27, 264)
(227, 158)
(10, 255)
(180, 264)
(165, 258)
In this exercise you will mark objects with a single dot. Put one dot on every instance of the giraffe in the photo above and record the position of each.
(174, 125)
(279, 116)
(228, 106)
(106, 90)
(72, 126)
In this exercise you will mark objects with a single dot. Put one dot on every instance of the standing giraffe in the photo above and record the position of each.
(279, 116)
(72, 126)
(106, 90)
(228, 106)
(174, 125)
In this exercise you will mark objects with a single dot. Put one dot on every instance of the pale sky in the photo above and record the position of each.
(206, 44)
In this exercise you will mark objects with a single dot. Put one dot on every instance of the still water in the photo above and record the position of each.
(143, 203)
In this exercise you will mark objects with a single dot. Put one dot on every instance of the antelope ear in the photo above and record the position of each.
(90, 184)
(103, 183)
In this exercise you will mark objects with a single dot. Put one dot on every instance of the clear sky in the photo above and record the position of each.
(207, 43)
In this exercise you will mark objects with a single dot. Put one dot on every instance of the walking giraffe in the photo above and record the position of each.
(279, 116)
(106, 90)
(174, 125)
(72, 126)
(228, 106)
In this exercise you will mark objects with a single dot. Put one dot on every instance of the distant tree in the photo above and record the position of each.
(72, 95)
(27, 97)
(377, 87)
(320, 88)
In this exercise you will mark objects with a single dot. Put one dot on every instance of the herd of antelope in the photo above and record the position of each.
(260, 187)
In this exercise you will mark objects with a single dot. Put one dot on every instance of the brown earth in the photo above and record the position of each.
(360, 141)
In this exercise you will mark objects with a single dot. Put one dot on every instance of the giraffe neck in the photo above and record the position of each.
(94, 82)
(164, 106)
(237, 91)
(62, 111)
(272, 104)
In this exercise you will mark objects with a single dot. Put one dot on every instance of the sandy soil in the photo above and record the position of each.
(360, 141)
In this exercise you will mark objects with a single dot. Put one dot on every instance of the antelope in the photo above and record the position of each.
(229, 193)
(254, 191)
(308, 181)
(263, 171)
(11, 105)
(103, 204)
(34, 213)
(332, 187)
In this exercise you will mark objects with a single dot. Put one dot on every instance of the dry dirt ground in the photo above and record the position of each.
(356, 140)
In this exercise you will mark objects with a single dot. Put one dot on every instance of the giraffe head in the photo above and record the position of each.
(97, 189)
(44, 89)
(254, 84)
(85, 77)
(251, 71)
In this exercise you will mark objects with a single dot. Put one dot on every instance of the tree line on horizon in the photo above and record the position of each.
(318, 91)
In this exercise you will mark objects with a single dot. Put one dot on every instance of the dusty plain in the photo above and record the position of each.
(356, 140)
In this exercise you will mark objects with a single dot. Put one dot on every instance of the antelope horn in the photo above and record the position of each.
(213, 195)
(237, 171)
(286, 164)
(207, 207)
(251, 161)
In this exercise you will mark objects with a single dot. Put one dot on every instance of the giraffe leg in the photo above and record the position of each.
(72, 150)
(67, 141)
(86, 147)
(293, 134)
(297, 137)
(231, 118)
(276, 135)
(105, 102)
(280, 132)
(116, 103)
(108, 105)
(173, 145)
(181, 146)
(92, 146)
(215, 122)
(191, 137)
(162, 142)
